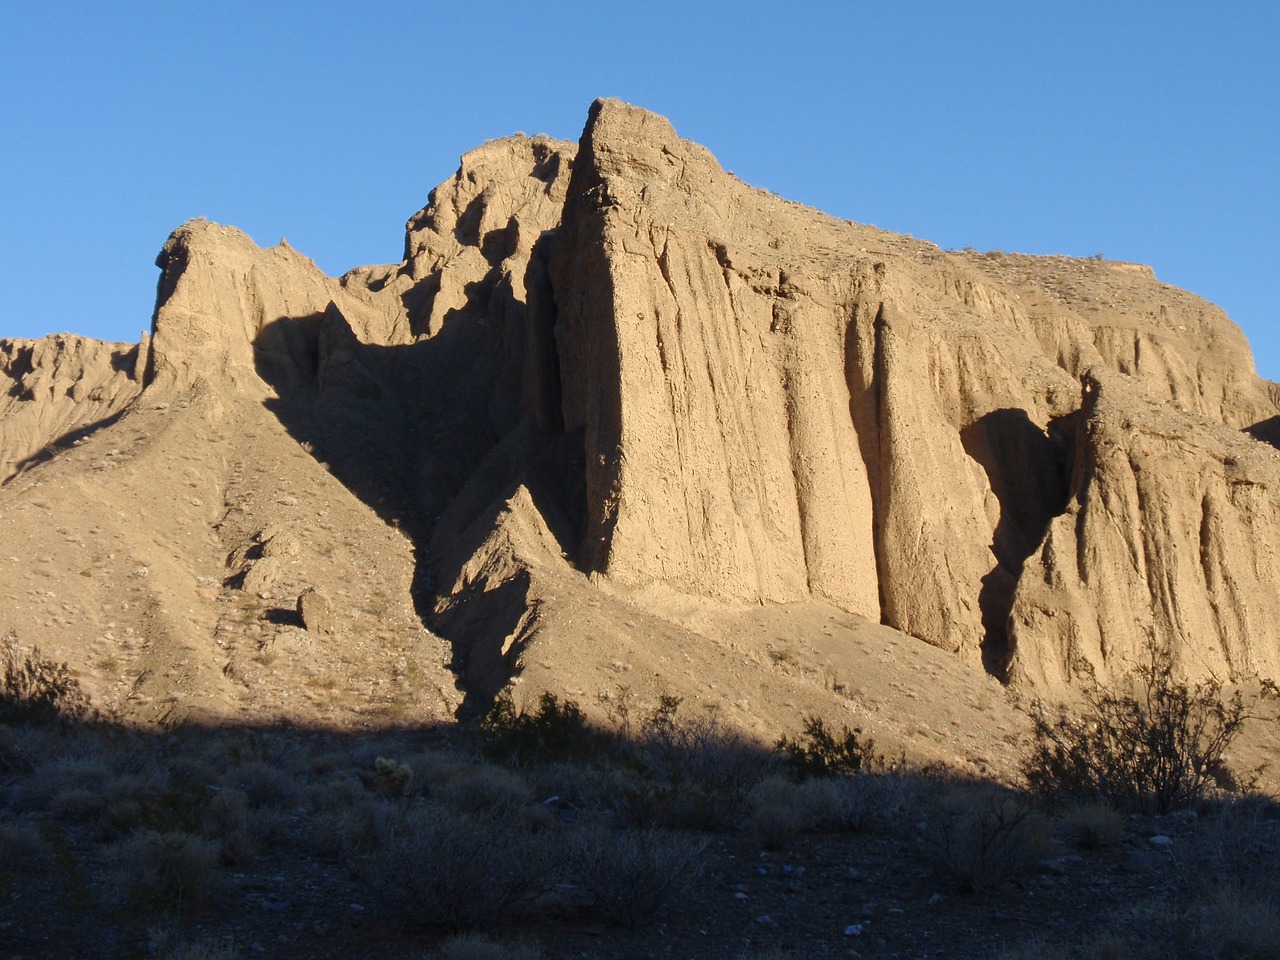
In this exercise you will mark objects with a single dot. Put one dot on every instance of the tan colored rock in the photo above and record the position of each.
(316, 612)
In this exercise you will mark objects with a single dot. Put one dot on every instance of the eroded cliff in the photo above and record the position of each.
(612, 398)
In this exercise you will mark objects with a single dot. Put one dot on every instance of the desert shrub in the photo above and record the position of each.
(818, 752)
(36, 690)
(998, 836)
(226, 811)
(23, 748)
(173, 871)
(78, 805)
(1037, 949)
(265, 784)
(442, 867)
(1150, 751)
(488, 788)
(631, 873)
(553, 729)
(779, 812)
(59, 776)
(1093, 826)
(161, 804)
(853, 803)
(691, 772)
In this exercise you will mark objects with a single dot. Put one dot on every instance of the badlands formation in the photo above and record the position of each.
(619, 424)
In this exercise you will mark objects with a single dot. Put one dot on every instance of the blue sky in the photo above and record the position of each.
(1142, 131)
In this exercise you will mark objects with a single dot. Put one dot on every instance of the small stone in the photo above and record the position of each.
(739, 895)
(935, 899)
(1160, 840)
(853, 930)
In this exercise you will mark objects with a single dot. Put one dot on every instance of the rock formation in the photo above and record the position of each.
(611, 380)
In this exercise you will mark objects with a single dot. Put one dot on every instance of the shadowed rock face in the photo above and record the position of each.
(617, 360)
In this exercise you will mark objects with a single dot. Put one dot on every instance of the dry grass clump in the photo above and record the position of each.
(630, 874)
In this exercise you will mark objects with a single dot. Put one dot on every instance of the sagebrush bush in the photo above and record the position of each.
(818, 752)
(173, 871)
(779, 811)
(999, 836)
(552, 730)
(1154, 750)
(631, 873)
(24, 846)
(485, 787)
(448, 868)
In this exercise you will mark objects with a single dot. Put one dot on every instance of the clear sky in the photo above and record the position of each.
(1145, 131)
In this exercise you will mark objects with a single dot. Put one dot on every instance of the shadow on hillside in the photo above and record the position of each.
(435, 435)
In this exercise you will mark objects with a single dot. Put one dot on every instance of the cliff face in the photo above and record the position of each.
(613, 373)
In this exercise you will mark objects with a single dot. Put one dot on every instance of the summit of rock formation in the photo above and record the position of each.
(621, 422)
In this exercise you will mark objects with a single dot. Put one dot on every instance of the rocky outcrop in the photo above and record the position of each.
(1167, 544)
(54, 390)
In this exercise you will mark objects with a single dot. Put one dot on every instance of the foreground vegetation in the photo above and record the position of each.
(533, 830)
